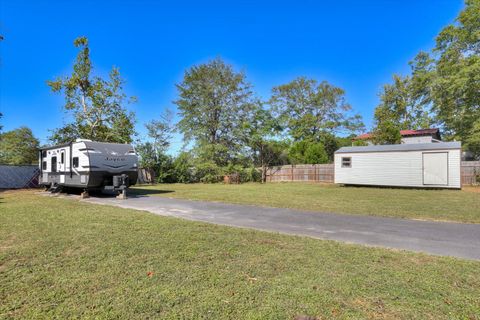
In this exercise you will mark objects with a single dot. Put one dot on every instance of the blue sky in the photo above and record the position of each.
(356, 45)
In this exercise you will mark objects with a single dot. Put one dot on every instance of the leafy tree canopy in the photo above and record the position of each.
(387, 132)
(399, 105)
(160, 131)
(443, 88)
(183, 168)
(18, 147)
(258, 130)
(473, 140)
(96, 104)
(306, 152)
(213, 100)
(456, 78)
(309, 109)
(152, 153)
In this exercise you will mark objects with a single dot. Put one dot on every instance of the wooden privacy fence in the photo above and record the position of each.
(145, 176)
(326, 173)
(470, 172)
(301, 172)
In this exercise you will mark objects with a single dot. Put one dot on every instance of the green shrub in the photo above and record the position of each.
(306, 152)
(360, 143)
(246, 174)
(208, 172)
(165, 170)
(250, 174)
(183, 168)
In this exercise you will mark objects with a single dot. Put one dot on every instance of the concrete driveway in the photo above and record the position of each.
(439, 238)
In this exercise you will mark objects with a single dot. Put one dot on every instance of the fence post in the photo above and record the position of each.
(292, 172)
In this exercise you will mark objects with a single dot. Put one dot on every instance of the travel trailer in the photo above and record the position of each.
(88, 165)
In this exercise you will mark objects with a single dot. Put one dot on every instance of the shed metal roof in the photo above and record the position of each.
(402, 147)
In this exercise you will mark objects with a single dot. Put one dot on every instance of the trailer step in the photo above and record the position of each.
(56, 188)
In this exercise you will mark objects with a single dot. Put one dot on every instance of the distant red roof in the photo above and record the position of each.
(406, 133)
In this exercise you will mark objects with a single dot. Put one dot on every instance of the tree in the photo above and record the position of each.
(160, 131)
(18, 147)
(443, 85)
(359, 143)
(386, 132)
(399, 105)
(456, 85)
(306, 152)
(258, 130)
(387, 127)
(404, 104)
(152, 153)
(344, 142)
(183, 168)
(213, 98)
(315, 153)
(1, 127)
(309, 109)
(332, 143)
(148, 155)
(97, 105)
(473, 141)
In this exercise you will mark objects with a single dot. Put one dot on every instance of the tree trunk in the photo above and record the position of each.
(84, 105)
(264, 172)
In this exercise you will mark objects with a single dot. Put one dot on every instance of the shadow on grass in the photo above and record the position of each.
(133, 193)
(139, 192)
(365, 186)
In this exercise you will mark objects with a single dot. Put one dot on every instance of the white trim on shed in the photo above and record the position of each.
(425, 165)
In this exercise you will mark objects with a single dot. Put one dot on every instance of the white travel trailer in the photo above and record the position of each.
(88, 165)
(423, 165)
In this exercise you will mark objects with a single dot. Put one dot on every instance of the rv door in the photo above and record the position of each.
(53, 164)
(62, 166)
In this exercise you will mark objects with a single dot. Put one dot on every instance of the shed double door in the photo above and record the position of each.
(435, 168)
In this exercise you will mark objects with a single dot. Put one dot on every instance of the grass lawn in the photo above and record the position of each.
(449, 205)
(64, 259)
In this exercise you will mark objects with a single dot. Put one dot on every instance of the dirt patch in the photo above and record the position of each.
(13, 191)
(475, 189)
(75, 251)
(7, 243)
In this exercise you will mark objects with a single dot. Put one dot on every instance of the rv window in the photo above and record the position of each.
(44, 154)
(54, 164)
(75, 162)
(62, 157)
(346, 162)
(44, 165)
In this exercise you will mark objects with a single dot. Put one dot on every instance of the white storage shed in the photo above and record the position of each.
(424, 165)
